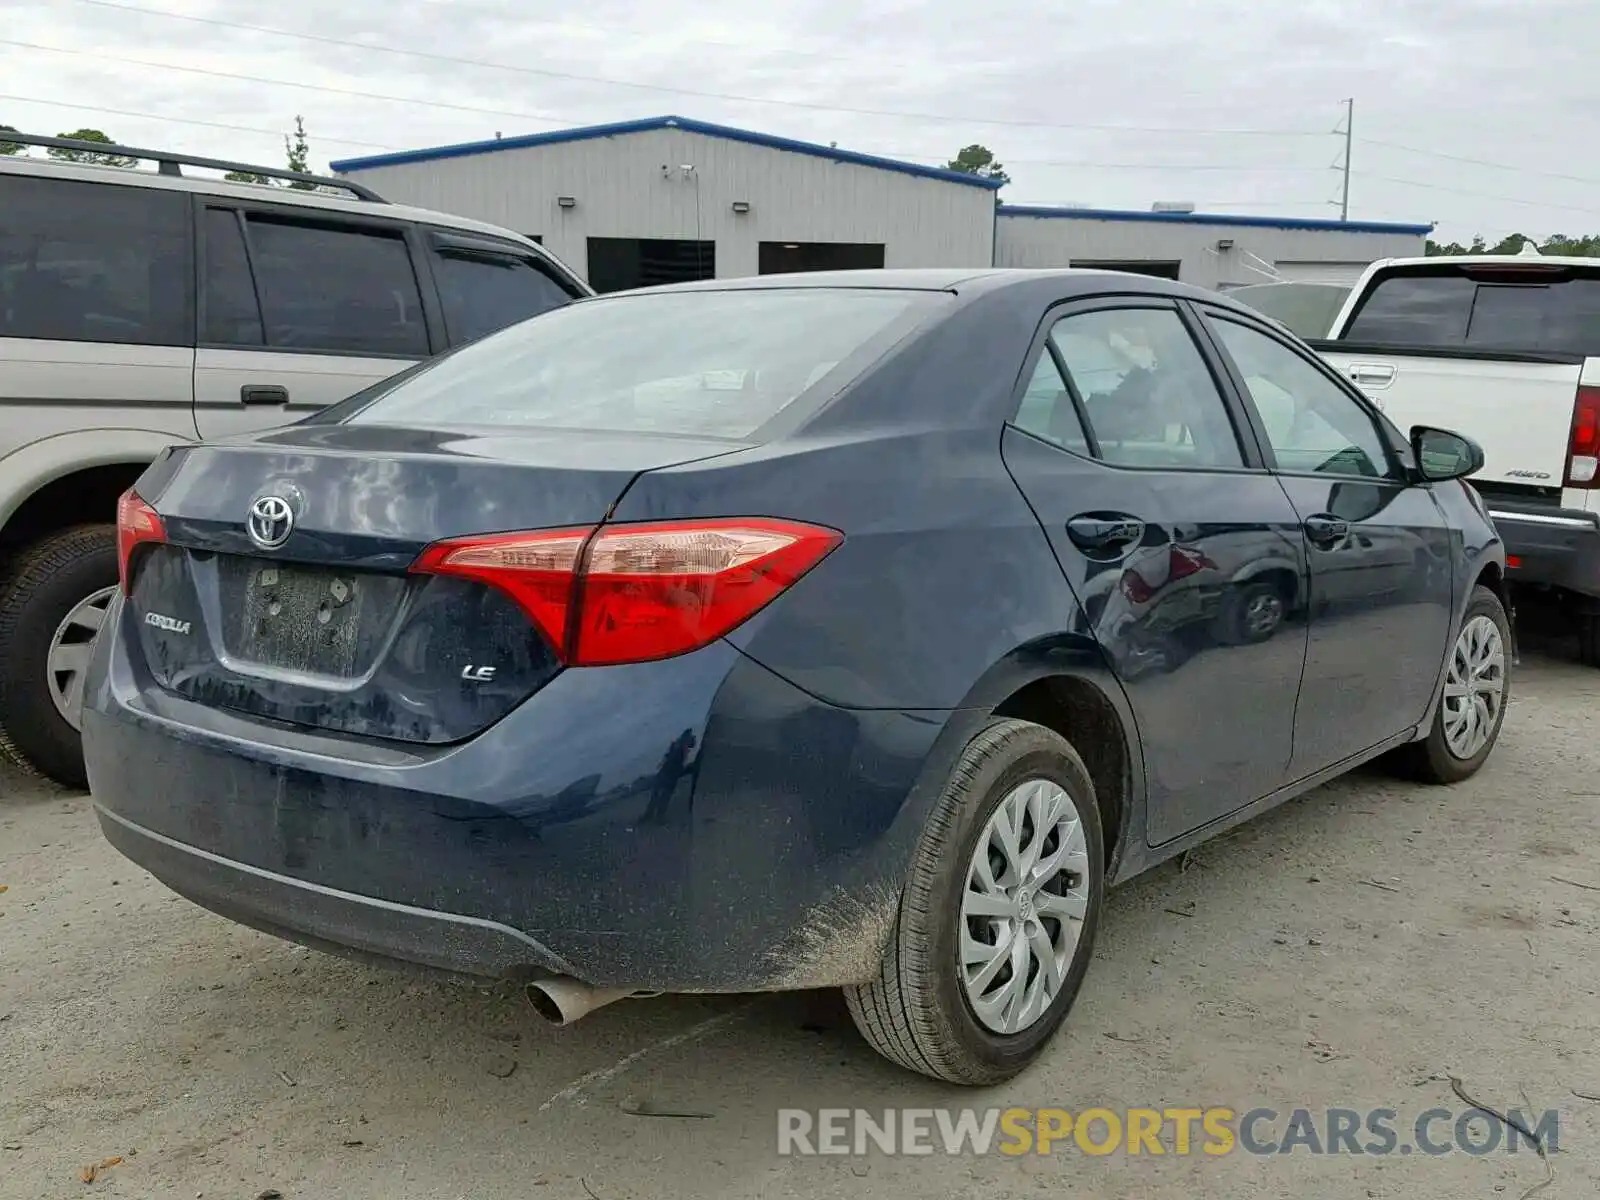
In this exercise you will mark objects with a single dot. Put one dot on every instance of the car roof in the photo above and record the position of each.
(201, 185)
(966, 281)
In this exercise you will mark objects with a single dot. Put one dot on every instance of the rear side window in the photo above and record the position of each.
(1528, 309)
(708, 363)
(86, 262)
(337, 290)
(483, 294)
(1147, 393)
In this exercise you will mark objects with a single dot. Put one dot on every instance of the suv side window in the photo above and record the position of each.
(90, 262)
(336, 289)
(1312, 424)
(483, 293)
(1148, 395)
(232, 316)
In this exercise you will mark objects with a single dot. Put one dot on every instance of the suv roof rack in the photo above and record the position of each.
(168, 163)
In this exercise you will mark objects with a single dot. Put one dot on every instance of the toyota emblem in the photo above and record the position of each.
(270, 522)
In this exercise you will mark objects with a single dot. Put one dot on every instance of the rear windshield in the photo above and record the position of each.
(1513, 308)
(703, 363)
(1305, 309)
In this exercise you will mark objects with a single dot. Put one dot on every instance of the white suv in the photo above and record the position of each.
(141, 308)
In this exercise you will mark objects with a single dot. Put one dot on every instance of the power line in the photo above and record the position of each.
(232, 77)
(1080, 164)
(691, 92)
(1479, 162)
(124, 112)
(1435, 187)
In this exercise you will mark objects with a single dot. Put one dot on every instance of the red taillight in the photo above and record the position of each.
(1583, 452)
(137, 523)
(632, 593)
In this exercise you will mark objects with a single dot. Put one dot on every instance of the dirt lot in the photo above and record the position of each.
(1348, 950)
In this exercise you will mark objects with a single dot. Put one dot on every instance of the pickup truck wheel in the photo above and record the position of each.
(51, 605)
(1589, 640)
(1477, 688)
(998, 916)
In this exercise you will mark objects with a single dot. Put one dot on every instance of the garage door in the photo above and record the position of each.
(1320, 272)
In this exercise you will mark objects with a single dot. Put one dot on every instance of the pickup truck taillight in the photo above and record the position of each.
(1583, 452)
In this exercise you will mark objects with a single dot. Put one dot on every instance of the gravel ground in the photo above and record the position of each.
(1348, 950)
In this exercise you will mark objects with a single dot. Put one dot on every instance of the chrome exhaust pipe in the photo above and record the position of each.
(562, 1000)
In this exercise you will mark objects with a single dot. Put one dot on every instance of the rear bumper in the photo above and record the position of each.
(697, 824)
(329, 919)
(1554, 547)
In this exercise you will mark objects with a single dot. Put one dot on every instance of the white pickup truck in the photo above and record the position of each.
(1507, 350)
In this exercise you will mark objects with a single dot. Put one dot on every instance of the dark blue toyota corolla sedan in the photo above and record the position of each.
(847, 629)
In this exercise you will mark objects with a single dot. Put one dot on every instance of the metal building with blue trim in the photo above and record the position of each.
(667, 198)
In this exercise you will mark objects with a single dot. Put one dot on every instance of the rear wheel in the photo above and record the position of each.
(998, 918)
(51, 607)
(1589, 639)
(1477, 688)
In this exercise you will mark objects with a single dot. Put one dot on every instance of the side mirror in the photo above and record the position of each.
(1441, 454)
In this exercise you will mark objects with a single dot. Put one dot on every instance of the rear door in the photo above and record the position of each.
(299, 310)
(1184, 552)
(1379, 548)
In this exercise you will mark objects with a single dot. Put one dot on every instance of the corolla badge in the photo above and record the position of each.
(270, 522)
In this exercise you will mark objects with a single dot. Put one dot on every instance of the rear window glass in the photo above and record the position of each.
(1515, 310)
(718, 364)
(1305, 309)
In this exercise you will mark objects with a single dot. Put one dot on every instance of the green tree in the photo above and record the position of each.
(298, 153)
(90, 156)
(247, 177)
(11, 147)
(1556, 243)
(978, 160)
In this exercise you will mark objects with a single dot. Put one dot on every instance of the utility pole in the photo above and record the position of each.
(1349, 127)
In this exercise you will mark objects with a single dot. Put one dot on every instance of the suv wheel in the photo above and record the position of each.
(51, 606)
(1589, 639)
(997, 921)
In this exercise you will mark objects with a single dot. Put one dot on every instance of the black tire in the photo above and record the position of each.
(1431, 760)
(1589, 640)
(916, 1012)
(48, 580)
(1240, 625)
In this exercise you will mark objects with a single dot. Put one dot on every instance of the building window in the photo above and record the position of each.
(1160, 269)
(782, 258)
(618, 264)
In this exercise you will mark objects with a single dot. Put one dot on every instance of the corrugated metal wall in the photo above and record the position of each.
(633, 185)
(1057, 241)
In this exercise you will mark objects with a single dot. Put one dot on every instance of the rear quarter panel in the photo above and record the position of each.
(944, 570)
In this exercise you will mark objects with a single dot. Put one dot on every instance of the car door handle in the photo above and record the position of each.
(1326, 531)
(263, 393)
(1102, 533)
(1371, 374)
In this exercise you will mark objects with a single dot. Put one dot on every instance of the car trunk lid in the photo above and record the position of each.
(328, 627)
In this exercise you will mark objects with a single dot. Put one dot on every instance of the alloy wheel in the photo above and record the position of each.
(1022, 910)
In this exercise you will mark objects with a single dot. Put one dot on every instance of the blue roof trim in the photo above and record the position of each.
(648, 124)
(1326, 225)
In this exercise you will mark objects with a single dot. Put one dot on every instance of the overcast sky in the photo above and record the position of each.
(1478, 114)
